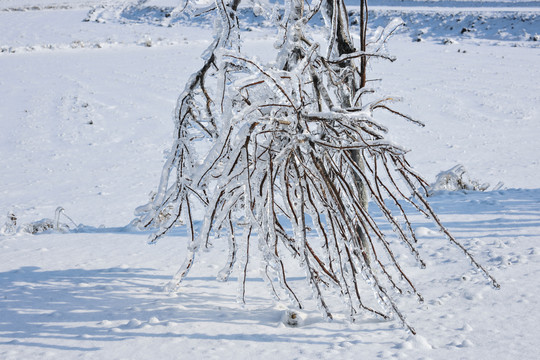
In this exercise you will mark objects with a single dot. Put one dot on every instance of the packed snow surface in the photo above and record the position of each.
(86, 117)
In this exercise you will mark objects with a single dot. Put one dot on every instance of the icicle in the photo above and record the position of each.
(224, 274)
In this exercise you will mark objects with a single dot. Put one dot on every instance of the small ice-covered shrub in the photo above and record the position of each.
(284, 156)
(10, 226)
(39, 226)
(457, 179)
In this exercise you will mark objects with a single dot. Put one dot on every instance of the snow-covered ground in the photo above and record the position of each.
(85, 118)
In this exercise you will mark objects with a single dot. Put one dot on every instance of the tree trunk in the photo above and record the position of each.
(335, 10)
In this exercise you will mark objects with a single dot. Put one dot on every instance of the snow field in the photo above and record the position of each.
(85, 118)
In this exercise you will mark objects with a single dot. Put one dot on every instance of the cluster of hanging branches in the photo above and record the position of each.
(284, 159)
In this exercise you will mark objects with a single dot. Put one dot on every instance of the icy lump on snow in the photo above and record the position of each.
(457, 179)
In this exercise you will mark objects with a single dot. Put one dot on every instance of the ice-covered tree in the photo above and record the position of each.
(284, 157)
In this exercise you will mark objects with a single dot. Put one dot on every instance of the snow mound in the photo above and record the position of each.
(293, 318)
(442, 21)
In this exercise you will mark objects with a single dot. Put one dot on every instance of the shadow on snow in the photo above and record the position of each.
(67, 309)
